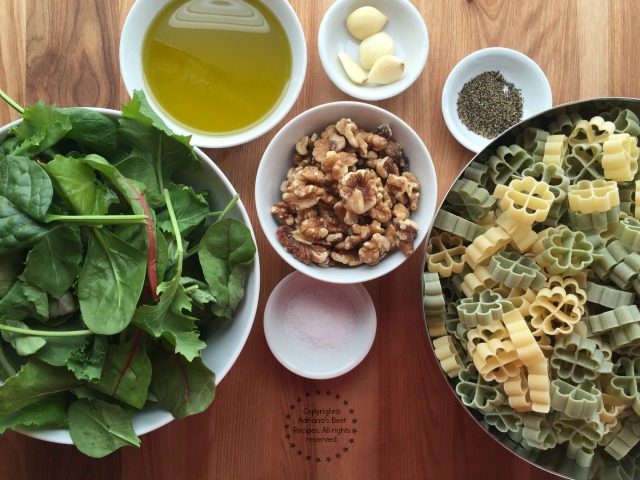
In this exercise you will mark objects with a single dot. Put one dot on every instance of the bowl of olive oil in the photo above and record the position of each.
(223, 71)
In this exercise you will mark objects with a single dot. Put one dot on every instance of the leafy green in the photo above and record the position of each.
(51, 412)
(35, 381)
(101, 296)
(184, 388)
(41, 128)
(225, 253)
(110, 282)
(46, 269)
(25, 196)
(98, 428)
(127, 372)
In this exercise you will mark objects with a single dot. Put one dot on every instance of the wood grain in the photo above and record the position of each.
(409, 423)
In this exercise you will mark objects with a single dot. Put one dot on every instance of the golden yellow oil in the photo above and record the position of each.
(216, 66)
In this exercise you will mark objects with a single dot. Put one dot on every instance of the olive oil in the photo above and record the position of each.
(216, 66)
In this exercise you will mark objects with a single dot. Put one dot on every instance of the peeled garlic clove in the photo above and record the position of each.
(387, 69)
(353, 70)
(374, 47)
(365, 21)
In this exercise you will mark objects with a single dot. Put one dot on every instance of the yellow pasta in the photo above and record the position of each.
(555, 149)
(620, 158)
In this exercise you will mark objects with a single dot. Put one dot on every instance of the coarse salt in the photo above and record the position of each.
(319, 321)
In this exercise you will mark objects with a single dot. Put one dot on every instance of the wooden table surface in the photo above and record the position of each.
(409, 425)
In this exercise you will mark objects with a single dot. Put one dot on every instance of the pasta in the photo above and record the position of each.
(541, 316)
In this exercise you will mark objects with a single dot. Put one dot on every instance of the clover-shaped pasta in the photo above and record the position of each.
(624, 120)
(497, 360)
(486, 245)
(620, 157)
(596, 130)
(444, 254)
(565, 252)
(555, 149)
(537, 432)
(475, 392)
(593, 196)
(482, 308)
(575, 401)
(527, 199)
(515, 271)
(584, 162)
(623, 440)
(452, 223)
(578, 359)
(448, 353)
(579, 432)
(485, 333)
(534, 142)
(625, 382)
(507, 162)
(554, 311)
(469, 199)
(564, 124)
(628, 232)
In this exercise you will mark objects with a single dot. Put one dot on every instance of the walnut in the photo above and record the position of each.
(405, 189)
(360, 234)
(383, 166)
(303, 190)
(374, 250)
(406, 233)
(283, 211)
(348, 198)
(336, 164)
(305, 252)
(358, 190)
(376, 142)
(319, 228)
(345, 215)
(355, 137)
(350, 259)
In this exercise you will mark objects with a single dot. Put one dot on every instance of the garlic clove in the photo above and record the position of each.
(365, 21)
(374, 47)
(387, 69)
(352, 69)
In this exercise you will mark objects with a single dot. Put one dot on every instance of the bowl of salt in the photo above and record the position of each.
(319, 330)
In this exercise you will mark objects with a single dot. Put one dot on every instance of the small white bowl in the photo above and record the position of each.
(319, 330)
(278, 158)
(515, 67)
(405, 26)
(134, 30)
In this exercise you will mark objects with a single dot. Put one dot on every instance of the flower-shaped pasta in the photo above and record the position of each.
(515, 271)
(497, 360)
(593, 196)
(584, 162)
(620, 157)
(482, 308)
(625, 382)
(504, 419)
(444, 254)
(596, 130)
(537, 432)
(477, 393)
(554, 311)
(578, 359)
(576, 401)
(469, 199)
(565, 252)
(484, 334)
(528, 200)
(624, 120)
(507, 162)
(579, 432)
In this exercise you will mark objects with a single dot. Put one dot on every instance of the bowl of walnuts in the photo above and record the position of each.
(345, 192)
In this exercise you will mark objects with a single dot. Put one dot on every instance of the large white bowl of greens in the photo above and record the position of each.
(128, 270)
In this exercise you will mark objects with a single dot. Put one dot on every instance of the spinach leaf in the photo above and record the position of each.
(8, 145)
(93, 130)
(99, 428)
(35, 381)
(153, 146)
(10, 267)
(127, 372)
(77, 183)
(166, 319)
(51, 411)
(23, 344)
(50, 271)
(184, 388)
(189, 207)
(110, 282)
(87, 362)
(225, 252)
(25, 197)
(41, 128)
(18, 303)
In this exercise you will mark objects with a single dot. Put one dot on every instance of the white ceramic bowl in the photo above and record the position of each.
(325, 350)
(131, 42)
(515, 67)
(226, 340)
(405, 26)
(277, 160)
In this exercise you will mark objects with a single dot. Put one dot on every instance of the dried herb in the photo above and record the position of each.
(488, 104)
